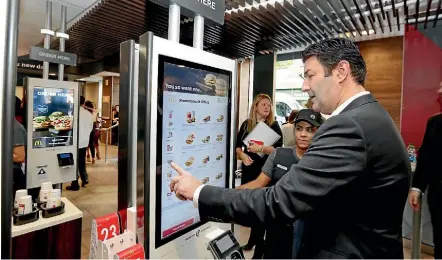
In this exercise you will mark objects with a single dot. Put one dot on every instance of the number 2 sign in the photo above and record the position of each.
(108, 226)
(103, 228)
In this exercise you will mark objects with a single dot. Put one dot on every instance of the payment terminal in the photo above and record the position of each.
(225, 246)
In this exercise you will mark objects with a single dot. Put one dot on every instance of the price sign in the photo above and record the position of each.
(133, 252)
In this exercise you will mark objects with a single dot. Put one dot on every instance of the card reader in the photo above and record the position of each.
(65, 160)
(225, 246)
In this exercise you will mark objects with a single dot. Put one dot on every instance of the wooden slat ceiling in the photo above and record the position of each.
(251, 26)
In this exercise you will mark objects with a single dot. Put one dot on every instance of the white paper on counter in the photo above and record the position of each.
(263, 133)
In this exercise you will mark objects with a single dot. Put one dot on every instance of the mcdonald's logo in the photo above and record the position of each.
(37, 143)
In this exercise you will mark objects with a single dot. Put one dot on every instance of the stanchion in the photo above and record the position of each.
(417, 232)
(107, 143)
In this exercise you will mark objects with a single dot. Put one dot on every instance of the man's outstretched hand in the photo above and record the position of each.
(185, 184)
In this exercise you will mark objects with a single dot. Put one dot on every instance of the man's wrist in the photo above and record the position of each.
(196, 195)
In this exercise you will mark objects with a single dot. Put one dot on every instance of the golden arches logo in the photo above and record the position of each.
(37, 143)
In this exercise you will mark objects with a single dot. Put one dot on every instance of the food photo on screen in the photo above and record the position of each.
(53, 117)
(179, 78)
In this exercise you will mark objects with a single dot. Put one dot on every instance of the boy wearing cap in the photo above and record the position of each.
(279, 240)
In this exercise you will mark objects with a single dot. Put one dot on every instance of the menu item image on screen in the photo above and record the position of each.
(53, 117)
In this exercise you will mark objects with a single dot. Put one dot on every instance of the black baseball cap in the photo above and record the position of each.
(309, 116)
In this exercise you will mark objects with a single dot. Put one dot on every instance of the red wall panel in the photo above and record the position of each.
(421, 77)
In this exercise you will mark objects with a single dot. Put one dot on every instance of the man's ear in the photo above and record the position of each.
(343, 70)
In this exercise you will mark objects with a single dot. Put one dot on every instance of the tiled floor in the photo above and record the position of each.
(100, 198)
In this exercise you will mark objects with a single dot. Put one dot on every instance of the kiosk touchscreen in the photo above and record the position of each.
(52, 116)
(191, 124)
(193, 119)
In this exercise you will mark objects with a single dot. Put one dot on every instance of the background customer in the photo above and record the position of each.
(84, 129)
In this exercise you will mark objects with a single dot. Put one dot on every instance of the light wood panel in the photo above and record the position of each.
(384, 78)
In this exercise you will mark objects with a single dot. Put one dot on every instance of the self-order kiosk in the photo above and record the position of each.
(186, 115)
(52, 118)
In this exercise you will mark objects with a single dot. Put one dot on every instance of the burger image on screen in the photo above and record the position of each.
(190, 139)
(219, 138)
(206, 159)
(190, 117)
(40, 122)
(205, 180)
(206, 119)
(220, 118)
(206, 140)
(219, 176)
(55, 115)
(221, 87)
(219, 157)
(62, 123)
(189, 161)
(210, 80)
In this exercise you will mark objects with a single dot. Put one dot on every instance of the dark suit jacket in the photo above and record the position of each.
(428, 169)
(351, 186)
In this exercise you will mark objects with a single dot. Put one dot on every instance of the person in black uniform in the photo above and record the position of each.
(279, 240)
(260, 111)
(428, 174)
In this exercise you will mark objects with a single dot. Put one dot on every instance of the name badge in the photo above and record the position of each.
(281, 167)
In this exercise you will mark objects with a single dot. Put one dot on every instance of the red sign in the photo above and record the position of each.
(123, 218)
(133, 252)
(108, 226)
(178, 227)
(251, 142)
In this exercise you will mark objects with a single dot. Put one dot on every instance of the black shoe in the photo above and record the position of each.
(73, 188)
(247, 247)
(84, 183)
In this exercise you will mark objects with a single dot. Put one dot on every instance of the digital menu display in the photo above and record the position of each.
(53, 117)
(194, 115)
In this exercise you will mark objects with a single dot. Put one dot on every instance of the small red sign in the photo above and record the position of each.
(140, 216)
(133, 252)
(251, 142)
(108, 226)
(178, 227)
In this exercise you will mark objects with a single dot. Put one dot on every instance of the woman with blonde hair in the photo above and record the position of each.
(260, 111)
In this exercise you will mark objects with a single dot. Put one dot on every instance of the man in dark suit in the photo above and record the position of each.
(352, 183)
(429, 174)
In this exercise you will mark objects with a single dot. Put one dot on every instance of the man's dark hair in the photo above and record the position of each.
(331, 51)
(82, 100)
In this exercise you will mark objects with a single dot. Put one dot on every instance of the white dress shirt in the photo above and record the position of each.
(337, 111)
(86, 123)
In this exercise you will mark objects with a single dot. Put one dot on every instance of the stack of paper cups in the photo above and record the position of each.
(18, 194)
(45, 191)
(24, 205)
(54, 199)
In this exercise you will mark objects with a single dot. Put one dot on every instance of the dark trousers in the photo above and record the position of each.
(257, 239)
(92, 148)
(435, 208)
(81, 160)
(297, 237)
(278, 243)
